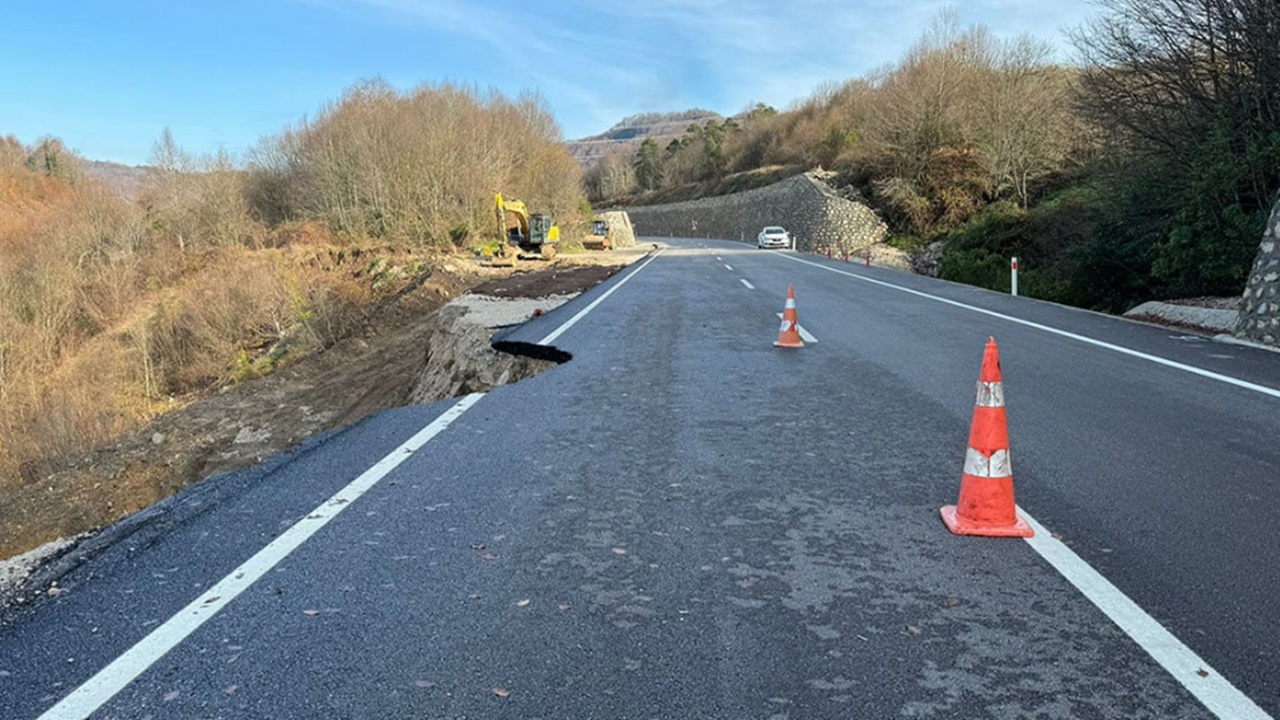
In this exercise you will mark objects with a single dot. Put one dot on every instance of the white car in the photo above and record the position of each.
(774, 237)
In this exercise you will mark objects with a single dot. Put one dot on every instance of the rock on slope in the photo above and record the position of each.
(631, 131)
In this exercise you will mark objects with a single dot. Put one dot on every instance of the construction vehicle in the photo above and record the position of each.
(525, 235)
(601, 237)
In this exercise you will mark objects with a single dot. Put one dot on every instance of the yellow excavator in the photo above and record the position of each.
(525, 235)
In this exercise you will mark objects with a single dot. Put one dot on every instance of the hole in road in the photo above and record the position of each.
(547, 353)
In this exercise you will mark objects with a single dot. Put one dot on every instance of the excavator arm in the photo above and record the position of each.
(512, 215)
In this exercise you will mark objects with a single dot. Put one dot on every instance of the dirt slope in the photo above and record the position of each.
(375, 369)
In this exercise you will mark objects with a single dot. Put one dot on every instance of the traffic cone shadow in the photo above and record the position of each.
(986, 505)
(789, 333)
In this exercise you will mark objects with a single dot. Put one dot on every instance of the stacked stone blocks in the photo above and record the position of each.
(1260, 306)
(816, 217)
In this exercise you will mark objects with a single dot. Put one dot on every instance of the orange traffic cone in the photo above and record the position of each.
(986, 505)
(789, 334)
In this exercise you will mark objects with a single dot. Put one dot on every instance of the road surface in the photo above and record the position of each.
(684, 521)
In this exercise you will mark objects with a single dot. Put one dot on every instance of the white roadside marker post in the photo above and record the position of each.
(1013, 268)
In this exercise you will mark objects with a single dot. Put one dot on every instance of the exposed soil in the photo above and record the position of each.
(375, 369)
(562, 280)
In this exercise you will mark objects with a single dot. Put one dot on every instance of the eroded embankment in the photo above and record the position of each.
(462, 357)
(433, 344)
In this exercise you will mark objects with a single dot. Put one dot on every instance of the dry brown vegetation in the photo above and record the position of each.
(962, 120)
(1144, 170)
(113, 311)
(420, 168)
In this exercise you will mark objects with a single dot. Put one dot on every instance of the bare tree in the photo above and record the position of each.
(613, 176)
(1024, 123)
(421, 166)
(923, 103)
(12, 154)
(1166, 74)
(198, 201)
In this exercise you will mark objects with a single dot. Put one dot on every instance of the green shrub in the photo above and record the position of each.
(1046, 240)
(906, 243)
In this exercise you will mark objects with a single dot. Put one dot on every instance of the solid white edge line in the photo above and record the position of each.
(749, 285)
(1273, 392)
(1212, 689)
(99, 689)
(583, 312)
(804, 334)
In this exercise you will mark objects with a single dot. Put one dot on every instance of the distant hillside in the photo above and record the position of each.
(631, 131)
(128, 180)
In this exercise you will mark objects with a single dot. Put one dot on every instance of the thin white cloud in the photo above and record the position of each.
(453, 16)
(778, 52)
(599, 60)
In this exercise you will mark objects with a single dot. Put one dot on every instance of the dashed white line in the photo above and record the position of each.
(1273, 392)
(1197, 676)
(94, 693)
(804, 334)
(728, 267)
(749, 285)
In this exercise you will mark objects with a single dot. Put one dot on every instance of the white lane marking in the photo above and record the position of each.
(109, 681)
(749, 285)
(583, 312)
(1273, 392)
(720, 258)
(728, 267)
(804, 334)
(100, 688)
(1213, 690)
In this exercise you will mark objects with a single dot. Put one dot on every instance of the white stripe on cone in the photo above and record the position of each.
(990, 394)
(996, 467)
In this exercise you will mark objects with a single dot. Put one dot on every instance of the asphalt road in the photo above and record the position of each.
(684, 521)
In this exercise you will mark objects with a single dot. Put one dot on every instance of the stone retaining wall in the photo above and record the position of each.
(624, 235)
(816, 217)
(1260, 306)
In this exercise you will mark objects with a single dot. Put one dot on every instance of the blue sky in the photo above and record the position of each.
(108, 77)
